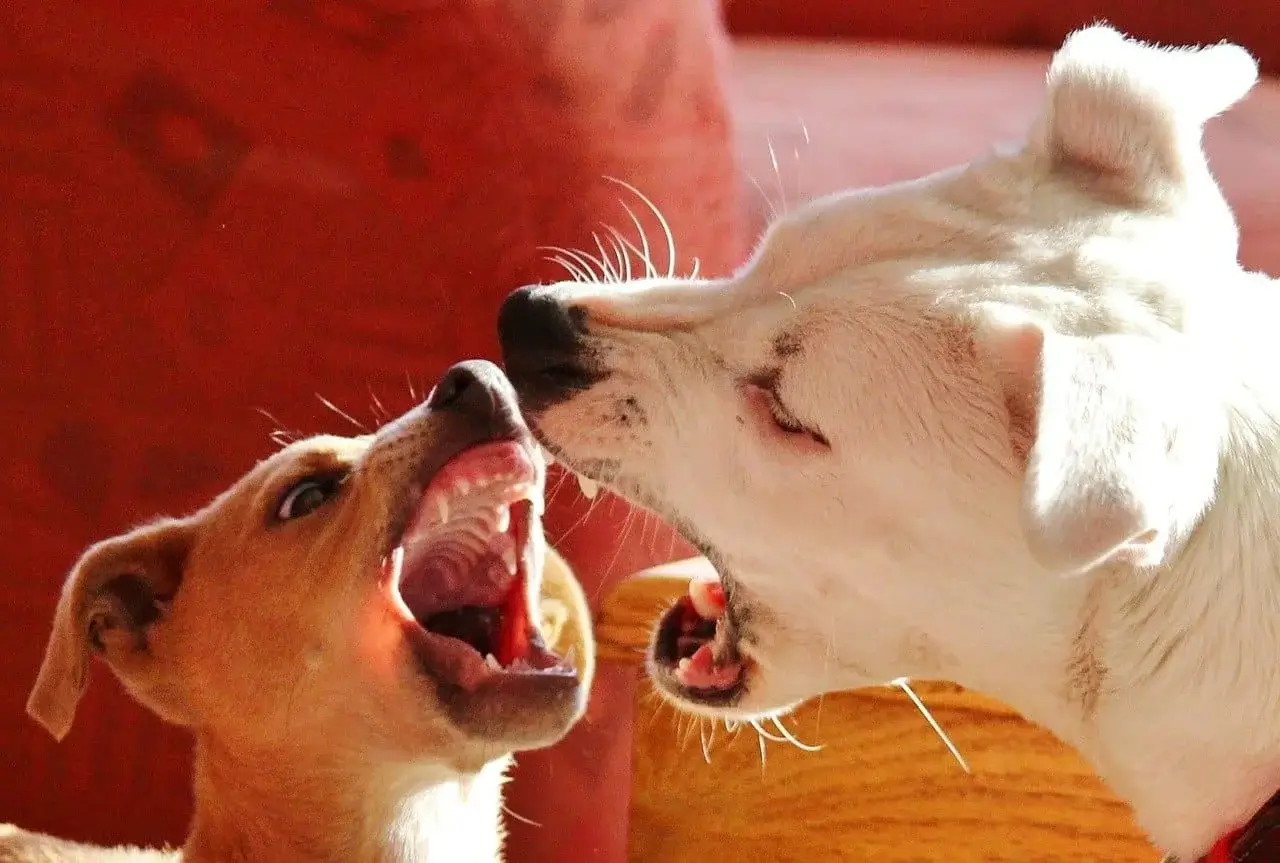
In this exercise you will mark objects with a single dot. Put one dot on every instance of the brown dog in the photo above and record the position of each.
(355, 634)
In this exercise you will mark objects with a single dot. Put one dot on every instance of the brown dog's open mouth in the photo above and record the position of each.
(467, 570)
(694, 649)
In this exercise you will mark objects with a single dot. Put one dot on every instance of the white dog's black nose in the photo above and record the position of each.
(533, 322)
(544, 346)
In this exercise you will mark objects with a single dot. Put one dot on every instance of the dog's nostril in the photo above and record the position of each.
(470, 386)
(451, 388)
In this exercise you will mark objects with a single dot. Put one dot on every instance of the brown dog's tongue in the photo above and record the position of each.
(513, 636)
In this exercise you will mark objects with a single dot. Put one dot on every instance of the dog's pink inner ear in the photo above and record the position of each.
(125, 606)
(1013, 351)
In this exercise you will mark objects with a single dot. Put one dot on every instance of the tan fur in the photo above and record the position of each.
(318, 736)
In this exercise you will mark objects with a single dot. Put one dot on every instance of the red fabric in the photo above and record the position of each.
(1013, 23)
(213, 210)
(1221, 850)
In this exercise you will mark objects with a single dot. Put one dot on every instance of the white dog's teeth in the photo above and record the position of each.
(509, 560)
(683, 665)
(567, 661)
(707, 597)
(590, 488)
(504, 518)
(442, 508)
(492, 662)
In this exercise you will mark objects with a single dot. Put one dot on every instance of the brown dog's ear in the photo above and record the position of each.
(115, 593)
(1124, 444)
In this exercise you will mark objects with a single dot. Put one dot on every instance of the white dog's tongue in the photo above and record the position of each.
(701, 672)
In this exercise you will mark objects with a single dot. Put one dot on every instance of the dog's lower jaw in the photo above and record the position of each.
(400, 814)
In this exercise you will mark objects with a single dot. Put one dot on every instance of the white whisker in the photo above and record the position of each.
(340, 412)
(588, 264)
(662, 220)
(520, 818)
(774, 212)
(624, 249)
(785, 732)
(576, 273)
(777, 173)
(902, 684)
(765, 733)
(610, 273)
(650, 271)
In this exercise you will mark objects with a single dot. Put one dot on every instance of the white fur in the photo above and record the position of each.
(1052, 397)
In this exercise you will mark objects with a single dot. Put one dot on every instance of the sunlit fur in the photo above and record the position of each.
(1050, 398)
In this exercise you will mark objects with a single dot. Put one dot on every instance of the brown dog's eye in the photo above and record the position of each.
(306, 496)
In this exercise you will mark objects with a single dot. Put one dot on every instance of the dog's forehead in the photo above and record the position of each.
(297, 461)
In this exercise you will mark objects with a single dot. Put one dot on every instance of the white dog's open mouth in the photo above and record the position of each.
(695, 648)
(467, 571)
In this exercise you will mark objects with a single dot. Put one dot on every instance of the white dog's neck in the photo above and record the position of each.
(257, 809)
(1191, 736)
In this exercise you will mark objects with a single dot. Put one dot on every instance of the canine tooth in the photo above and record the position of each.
(397, 564)
(442, 508)
(504, 518)
(708, 598)
(566, 662)
(509, 559)
(590, 488)
(492, 661)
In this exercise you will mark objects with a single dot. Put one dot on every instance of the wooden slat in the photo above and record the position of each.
(883, 788)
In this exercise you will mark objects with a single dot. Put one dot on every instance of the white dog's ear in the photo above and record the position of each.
(1123, 450)
(117, 591)
(1134, 113)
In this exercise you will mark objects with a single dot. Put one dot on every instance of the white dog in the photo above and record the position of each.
(1015, 425)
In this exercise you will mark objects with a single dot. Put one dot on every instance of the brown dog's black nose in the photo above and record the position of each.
(475, 388)
(544, 346)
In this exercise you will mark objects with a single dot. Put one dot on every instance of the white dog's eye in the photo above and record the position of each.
(306, 496)
(765, 404)
(784, 419)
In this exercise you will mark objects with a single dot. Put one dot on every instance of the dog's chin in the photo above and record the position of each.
(515, 715)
